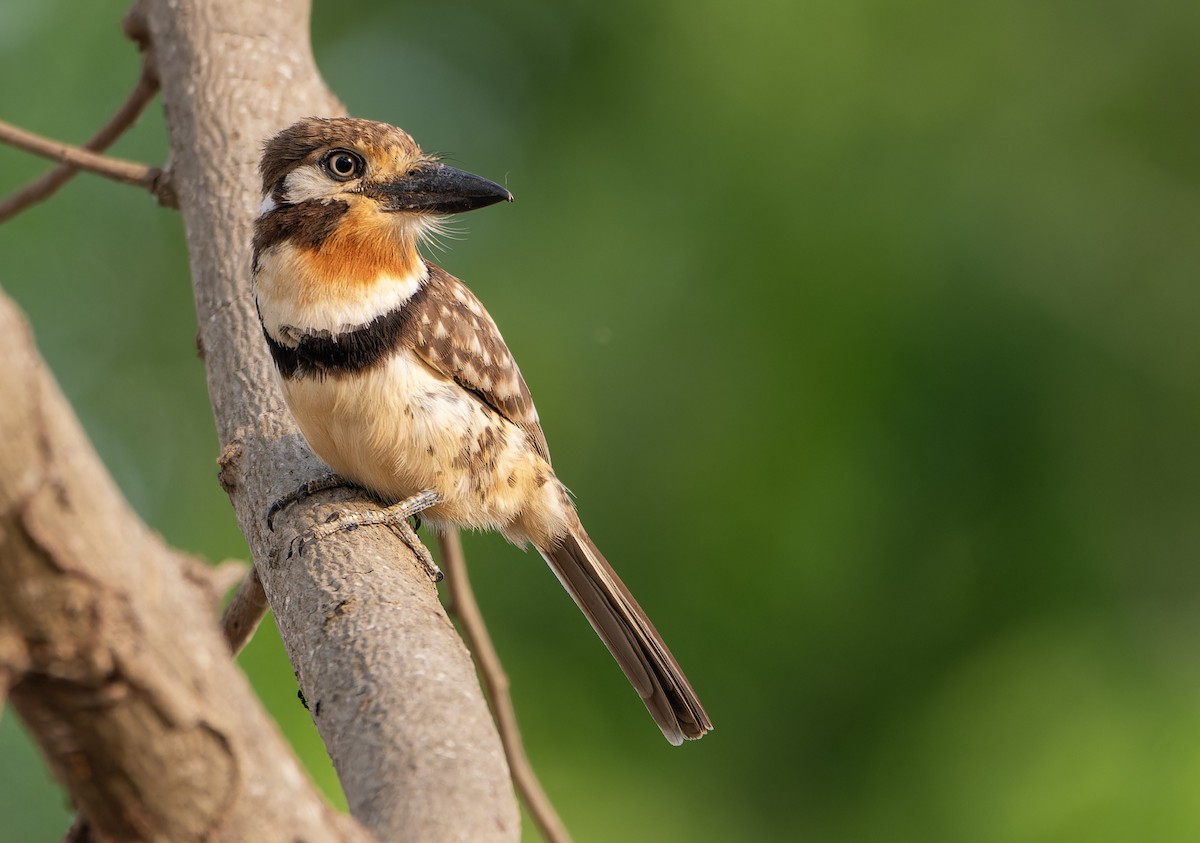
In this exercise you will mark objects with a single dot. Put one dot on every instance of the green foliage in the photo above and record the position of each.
(865, 333)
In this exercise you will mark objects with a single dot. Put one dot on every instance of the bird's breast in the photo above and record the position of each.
(400, 428)
(301, 289)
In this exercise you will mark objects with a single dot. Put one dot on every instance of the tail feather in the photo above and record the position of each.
(629, 636)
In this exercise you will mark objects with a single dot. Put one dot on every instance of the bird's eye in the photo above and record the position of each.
(343, 165)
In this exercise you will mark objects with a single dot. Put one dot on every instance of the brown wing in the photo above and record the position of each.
(454, 335)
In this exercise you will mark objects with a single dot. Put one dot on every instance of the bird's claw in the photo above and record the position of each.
(306, 490)
(395, 516)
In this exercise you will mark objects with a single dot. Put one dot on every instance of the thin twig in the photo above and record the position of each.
(495, 681)
(244, 612)
(47, 185)
(128, 172)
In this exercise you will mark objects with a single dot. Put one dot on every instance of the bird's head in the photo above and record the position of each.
(346, 204)
(326, 172)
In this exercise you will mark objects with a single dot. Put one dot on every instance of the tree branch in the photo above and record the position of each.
(109, 651)
(126, 724)
(129, 172)
(244, 612)
(495, 680)
(391, 687)
(47, 185)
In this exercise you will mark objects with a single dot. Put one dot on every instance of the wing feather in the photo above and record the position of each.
(452, 332)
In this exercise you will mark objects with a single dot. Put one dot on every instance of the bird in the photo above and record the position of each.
(399, 379)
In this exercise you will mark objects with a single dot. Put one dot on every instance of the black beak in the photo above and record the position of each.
(441, 190)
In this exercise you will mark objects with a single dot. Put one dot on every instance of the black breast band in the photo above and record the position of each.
(322, 355)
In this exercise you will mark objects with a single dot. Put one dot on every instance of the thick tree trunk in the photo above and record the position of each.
(109, 649)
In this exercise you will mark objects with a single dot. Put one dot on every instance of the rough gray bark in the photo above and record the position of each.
(391, 686)
(109, 651)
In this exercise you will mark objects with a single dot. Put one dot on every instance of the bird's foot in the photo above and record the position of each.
(320, 484)
(395, 516)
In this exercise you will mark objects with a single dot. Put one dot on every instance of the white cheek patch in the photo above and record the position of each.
(305, 183)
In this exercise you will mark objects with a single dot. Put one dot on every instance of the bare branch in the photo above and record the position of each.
(117, 169)
(464, 607)
(47, 185)
(244, 612)
(391, 687)
(110, 653)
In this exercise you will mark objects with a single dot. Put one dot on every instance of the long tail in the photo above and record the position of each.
(629, 636)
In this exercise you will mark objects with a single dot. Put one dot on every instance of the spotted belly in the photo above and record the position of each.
(400, 428)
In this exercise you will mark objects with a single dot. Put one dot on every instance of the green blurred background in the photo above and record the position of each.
(866, 334)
